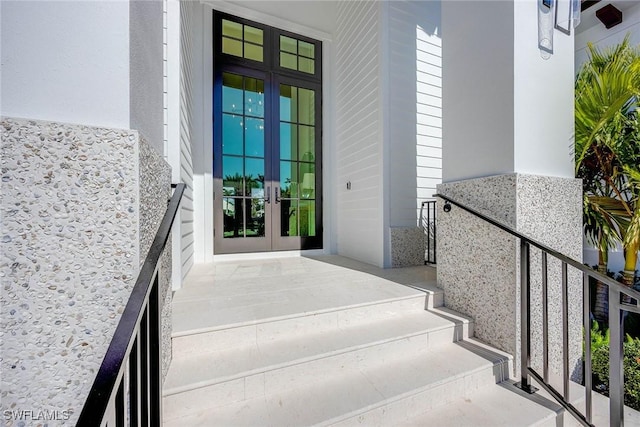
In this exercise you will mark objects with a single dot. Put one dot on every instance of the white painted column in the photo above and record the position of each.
(66, 61)
(507, 141)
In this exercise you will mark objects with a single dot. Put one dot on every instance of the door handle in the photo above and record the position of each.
(277, 195)
(267, 196)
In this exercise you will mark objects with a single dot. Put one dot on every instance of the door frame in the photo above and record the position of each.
(273, 75)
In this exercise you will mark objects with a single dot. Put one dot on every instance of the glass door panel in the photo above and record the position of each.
(297, 158)
(243, 142)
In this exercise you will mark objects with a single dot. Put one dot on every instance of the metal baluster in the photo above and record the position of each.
(525, 313)
(435, 241)
(134, 383)
(120, 405)
(155, 366)
(565, 332)
(616, 372)
(586, 316)
(428, 230)
(545, 319)
(144, 369)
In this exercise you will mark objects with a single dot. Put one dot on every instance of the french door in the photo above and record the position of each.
(267, 139)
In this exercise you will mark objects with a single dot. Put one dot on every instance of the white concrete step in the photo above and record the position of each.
(397, 384)
(501, 405)
(413, 331)
(199, 336)
(222, 295)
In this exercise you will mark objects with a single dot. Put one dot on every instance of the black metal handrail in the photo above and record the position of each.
(136, 340)
(616, 305)
(428, 225)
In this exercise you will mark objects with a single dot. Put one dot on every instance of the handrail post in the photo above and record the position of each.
(525, 314)
(565, 332)
(545, 318)
(586, 316)
(616, 370)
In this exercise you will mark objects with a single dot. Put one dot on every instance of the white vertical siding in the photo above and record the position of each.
(189, 14)
(165, 78)
(358, 137)
(415, 107)
(180, 36)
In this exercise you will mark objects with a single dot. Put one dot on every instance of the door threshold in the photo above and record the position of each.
(265, 255)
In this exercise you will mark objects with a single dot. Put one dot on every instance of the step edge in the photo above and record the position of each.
(397, 398)
(290, 316)
(460, 376)
(308, 359)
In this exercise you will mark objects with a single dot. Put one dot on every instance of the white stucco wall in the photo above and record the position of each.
(146, 71)
(505, 109)
(543, 99)
(66, 61)
(478, 76)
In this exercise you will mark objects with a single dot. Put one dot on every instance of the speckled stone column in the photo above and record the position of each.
(407, 246)
(80, 207)
(479, 265)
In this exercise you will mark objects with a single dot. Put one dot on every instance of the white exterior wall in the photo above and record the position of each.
(415, 108)
(66, 61)
(359, 133)
(183, 74)
(478, 107)
(543, 131)
(146, 71)
(191, 46)
(489, 107)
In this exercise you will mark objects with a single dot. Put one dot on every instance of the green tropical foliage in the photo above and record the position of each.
(607, 150)
(631, 364)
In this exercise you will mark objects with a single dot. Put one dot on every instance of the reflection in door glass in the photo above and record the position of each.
(255, 219)
(307, 143)
(289, 217)
(288, 103)
(297, 161)
(307, 106)
(289, 179)
(231, 93)
(233, 217)
(232, 176)
(253, 175)
(254, 137)
(231, 134)
(307, 213)
(243, 148)
(288, 141)
(253, 97)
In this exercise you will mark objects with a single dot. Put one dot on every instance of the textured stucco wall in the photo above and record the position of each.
(154, 190)
(79, 209)
(407, 246)
(479, 265)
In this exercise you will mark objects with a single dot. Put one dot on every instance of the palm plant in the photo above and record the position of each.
(607, 150)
